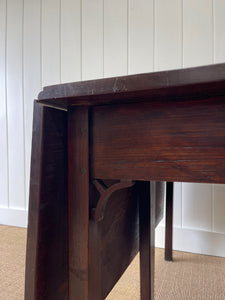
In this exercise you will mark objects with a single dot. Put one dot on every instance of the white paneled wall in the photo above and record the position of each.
(115, 37)
(218, 34)
(31, 74)
(197, 32)
(52, 41)
(140, 55)
(168, 34)
(15, 104)
(92, 34)
(4, 197)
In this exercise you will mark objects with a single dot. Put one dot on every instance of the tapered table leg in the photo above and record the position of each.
(46, 259)
(146, 194)
(169, 222)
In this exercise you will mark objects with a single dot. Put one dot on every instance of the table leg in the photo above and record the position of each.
(78, 202)
(46, 258)
(95, 287)
(169, 222)
(146, 192)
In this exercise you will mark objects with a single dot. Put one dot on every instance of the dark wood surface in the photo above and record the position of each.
(91, 261)
(160, 141)
(95, 286)
(78, 201)
(119, 236)
(164, 126)
(146, 193)
(114, 239)
(195, 82)
(46, 261)
(169, 222)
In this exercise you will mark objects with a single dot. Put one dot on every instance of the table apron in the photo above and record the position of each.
(161, 141)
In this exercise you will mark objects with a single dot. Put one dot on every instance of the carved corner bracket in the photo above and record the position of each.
(105, 193)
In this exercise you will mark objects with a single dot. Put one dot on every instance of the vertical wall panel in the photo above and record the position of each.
(168, 34)
(141, 36)
(115, 38)
(15, 103)
(196, 206)
(3, 111)
(92, 39)
(32, 73)
(219, 208)
(50, 31)
(197, 32)
(70, 41)
(219, 31)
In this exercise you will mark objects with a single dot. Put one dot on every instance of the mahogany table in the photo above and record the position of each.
(96, 146)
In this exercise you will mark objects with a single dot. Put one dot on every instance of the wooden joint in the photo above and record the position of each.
(105, 193)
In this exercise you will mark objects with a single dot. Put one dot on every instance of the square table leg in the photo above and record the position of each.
(169, 222)
(78, 202)
(146, 192)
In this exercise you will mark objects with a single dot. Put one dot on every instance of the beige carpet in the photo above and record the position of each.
(189, 277)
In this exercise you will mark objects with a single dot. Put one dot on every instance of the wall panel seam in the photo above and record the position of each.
(41, 45)
(60, 41)
(103, 38)
(128, 33)
(6, 104)
(182, 33)
(153, 20)
(24, 146)
(213, 31)
(81, 39)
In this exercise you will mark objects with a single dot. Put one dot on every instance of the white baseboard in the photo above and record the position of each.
(195, 241)
(13, 217)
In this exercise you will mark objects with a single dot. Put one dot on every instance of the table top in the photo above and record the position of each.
(197, 83)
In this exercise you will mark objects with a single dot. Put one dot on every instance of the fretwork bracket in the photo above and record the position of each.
(105, 193)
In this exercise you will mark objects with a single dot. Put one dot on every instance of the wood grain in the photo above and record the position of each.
(113, 242)
(171, 141)
(46, 261)
(172, 130)
(200, 82)
(146, 194)
(78, 201)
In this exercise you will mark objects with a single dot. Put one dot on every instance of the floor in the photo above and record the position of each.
(189, 277)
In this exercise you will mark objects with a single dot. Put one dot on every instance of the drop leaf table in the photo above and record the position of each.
(99, 148)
